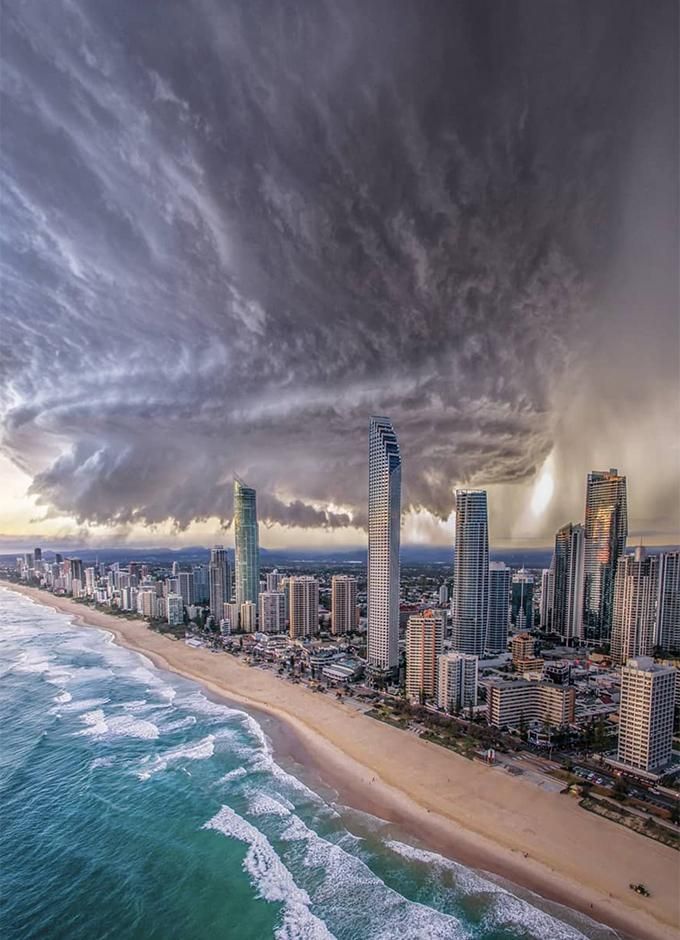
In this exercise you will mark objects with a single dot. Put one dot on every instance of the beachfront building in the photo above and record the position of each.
(424, 644)
(246, 543)
(457, 681)
(248, 617)
(175, 609)
(219, 580)
(646, 715)
(231, 613)
(636, 587)
(499, 597)
(303, 596)
(511, 703)
(667, 632)
(272, 611)
(568, 583)
(606, 531)
(343, 604)
(471, 573)
(384, 521)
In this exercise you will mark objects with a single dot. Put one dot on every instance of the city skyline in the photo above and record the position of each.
(178, 310)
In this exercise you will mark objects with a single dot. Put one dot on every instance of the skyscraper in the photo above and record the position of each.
(499, 598)
(568, 571)
(646, 714)
(522, 601)
(667, 634)
(606, 530)
(303, 597)
(384, 522)
(219, 581)
(246, 543)
(186, 586)
(273, 579)
(547, 591)
(343, 604)
(424, 644)
(471, 573)
(636, 587)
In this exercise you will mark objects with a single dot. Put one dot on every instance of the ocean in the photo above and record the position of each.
(134, 806)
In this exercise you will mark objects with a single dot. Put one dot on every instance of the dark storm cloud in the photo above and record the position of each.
(233, 230)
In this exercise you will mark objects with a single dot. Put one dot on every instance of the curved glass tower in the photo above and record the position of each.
(384, 522)
(246, 543)
(606, 530)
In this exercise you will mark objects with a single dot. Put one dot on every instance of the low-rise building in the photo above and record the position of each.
(513, 702)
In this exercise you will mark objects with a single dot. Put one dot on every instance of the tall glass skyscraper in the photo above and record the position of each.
(384, 524)
(568, 579)
(471, 573)
(219, 581)
(606, 530)
(499, 597)
(246, 541)
(667, 633)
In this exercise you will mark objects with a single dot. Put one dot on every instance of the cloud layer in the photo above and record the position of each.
(234, 230)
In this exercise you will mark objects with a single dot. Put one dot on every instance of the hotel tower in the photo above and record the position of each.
(384, 521)
(246, 541)
(606, 530)
(471, 573)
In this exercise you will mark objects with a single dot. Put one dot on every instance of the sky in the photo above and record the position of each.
(234, 229)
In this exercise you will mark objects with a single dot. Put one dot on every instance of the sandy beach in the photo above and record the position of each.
(477, 815)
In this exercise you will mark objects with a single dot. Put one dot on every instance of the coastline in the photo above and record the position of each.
(474, 814)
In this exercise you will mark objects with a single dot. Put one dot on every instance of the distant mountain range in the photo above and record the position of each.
(198, 554)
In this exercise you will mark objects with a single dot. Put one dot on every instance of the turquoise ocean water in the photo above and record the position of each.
(134, 807)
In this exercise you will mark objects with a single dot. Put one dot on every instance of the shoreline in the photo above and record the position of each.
(476, 815)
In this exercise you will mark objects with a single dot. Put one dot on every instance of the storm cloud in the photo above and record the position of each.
(233, 230)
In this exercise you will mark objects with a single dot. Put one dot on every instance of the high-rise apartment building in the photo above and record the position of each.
(185, 581)
(175, 609)
(499, 607)
(667, 634)
(636, 587)
(443, 595)
(547, 593)
(568, 583)
(384, 523)
(246, 541)
(248, 617)
(343, 604)
(303, 598)
(272, 612)
(457, 681)
(424, 644)
(273, 579)
(231, 613)
(471, 573)
(201, 584)
(522, 601)
(219, 580)
(606, 531)
(646, 714)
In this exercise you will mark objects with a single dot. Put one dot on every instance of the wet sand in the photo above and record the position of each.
(477, 815)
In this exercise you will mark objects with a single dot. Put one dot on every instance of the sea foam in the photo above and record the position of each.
(272, 879)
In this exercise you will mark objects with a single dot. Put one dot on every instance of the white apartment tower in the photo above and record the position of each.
(272, 613)
(636, 587)
(175, 609)
(343, 604)
(457, 681)
(646, 715)
(384, 522)
(424, 644)
(471, 573)
(303, 597)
